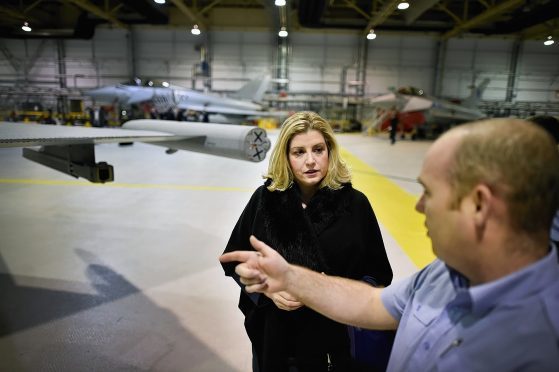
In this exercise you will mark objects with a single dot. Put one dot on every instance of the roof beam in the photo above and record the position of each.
(352, 5)
(94, 9)
(382, 15)
(443, 7)
(12, 13)
(209, 6)
(192, 14)
(542, 30)
(419, 7)
(483, 17)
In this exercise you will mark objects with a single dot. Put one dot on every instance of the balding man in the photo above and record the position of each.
(490, 301)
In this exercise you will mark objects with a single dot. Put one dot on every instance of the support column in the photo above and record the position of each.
(282, 67)
(361, 74)
(513, 70)
(131, 55)
(62, 101)
(438, 77)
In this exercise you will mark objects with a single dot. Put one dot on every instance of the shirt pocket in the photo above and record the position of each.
(424, 314)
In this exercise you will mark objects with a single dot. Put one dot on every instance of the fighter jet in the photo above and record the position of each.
(71, 150)
(423, 115)
(237, 107)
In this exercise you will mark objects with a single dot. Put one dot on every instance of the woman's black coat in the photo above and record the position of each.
(338, 234)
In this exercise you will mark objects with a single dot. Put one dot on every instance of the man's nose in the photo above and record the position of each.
(420, 204)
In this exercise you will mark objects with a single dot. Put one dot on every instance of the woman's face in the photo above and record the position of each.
(308, 159)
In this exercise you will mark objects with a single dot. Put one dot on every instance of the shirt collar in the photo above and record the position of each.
(518, 285)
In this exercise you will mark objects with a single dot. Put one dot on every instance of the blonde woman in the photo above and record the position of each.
(308, 210)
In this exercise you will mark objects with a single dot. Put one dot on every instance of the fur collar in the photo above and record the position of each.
(293, 231)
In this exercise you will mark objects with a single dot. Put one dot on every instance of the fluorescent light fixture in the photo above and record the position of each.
(280, 2)
(403, 5)
(549, 41)
(282, 32)
(195, 30)
(26, 27)
(159, 1)
(371, 35)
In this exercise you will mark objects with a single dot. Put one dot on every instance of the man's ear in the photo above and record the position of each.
(482, 198)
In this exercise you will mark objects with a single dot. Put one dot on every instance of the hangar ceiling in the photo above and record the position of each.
(525, 19)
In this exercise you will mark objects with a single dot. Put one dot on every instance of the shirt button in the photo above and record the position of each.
(426, 345)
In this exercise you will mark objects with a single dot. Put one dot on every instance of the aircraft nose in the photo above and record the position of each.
(100, 90)
(104, 91)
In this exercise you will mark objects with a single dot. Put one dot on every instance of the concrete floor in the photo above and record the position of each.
(124, 276)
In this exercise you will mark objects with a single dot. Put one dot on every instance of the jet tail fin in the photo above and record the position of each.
(477, 91)
(253, 90)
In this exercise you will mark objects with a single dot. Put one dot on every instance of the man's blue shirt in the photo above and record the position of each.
(505, 325)
(555, 228)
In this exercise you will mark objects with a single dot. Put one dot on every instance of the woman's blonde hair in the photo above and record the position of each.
(279, 170)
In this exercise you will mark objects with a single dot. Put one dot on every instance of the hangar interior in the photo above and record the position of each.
(325, 63)
(124, 275)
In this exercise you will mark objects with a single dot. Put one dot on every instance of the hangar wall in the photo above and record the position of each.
(318, 62)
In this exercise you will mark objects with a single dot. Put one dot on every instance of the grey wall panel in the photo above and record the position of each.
(240, 56)
(396, 61)
(32, 61)
(166, 54)
(317, 61)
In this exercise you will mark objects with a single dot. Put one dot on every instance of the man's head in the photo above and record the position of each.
(518, 161)
(498, 170)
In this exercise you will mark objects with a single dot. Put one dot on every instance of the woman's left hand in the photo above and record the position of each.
(285, 301)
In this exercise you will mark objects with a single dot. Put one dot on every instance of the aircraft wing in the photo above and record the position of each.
(401, 102)
(29, 135)
(71, 150)
(387, 101)
(454, 113)
(413, 104)
(215, 109)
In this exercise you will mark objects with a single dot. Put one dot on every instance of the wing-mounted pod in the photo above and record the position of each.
(232, 141)
(74, 160)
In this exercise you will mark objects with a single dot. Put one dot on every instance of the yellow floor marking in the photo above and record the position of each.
(122, 185)
(394, 208)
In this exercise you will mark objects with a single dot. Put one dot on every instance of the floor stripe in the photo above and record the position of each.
(121, 185)
(394, 208)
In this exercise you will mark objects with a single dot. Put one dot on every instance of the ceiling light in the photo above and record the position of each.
(280, 2)
(195, 30)
(549, 41)
(159, 1)
(403, 5)
(371, 35)
(282, 32)
(26, 27)
(165, 84)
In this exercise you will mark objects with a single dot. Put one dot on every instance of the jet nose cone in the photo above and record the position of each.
(101, 92)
